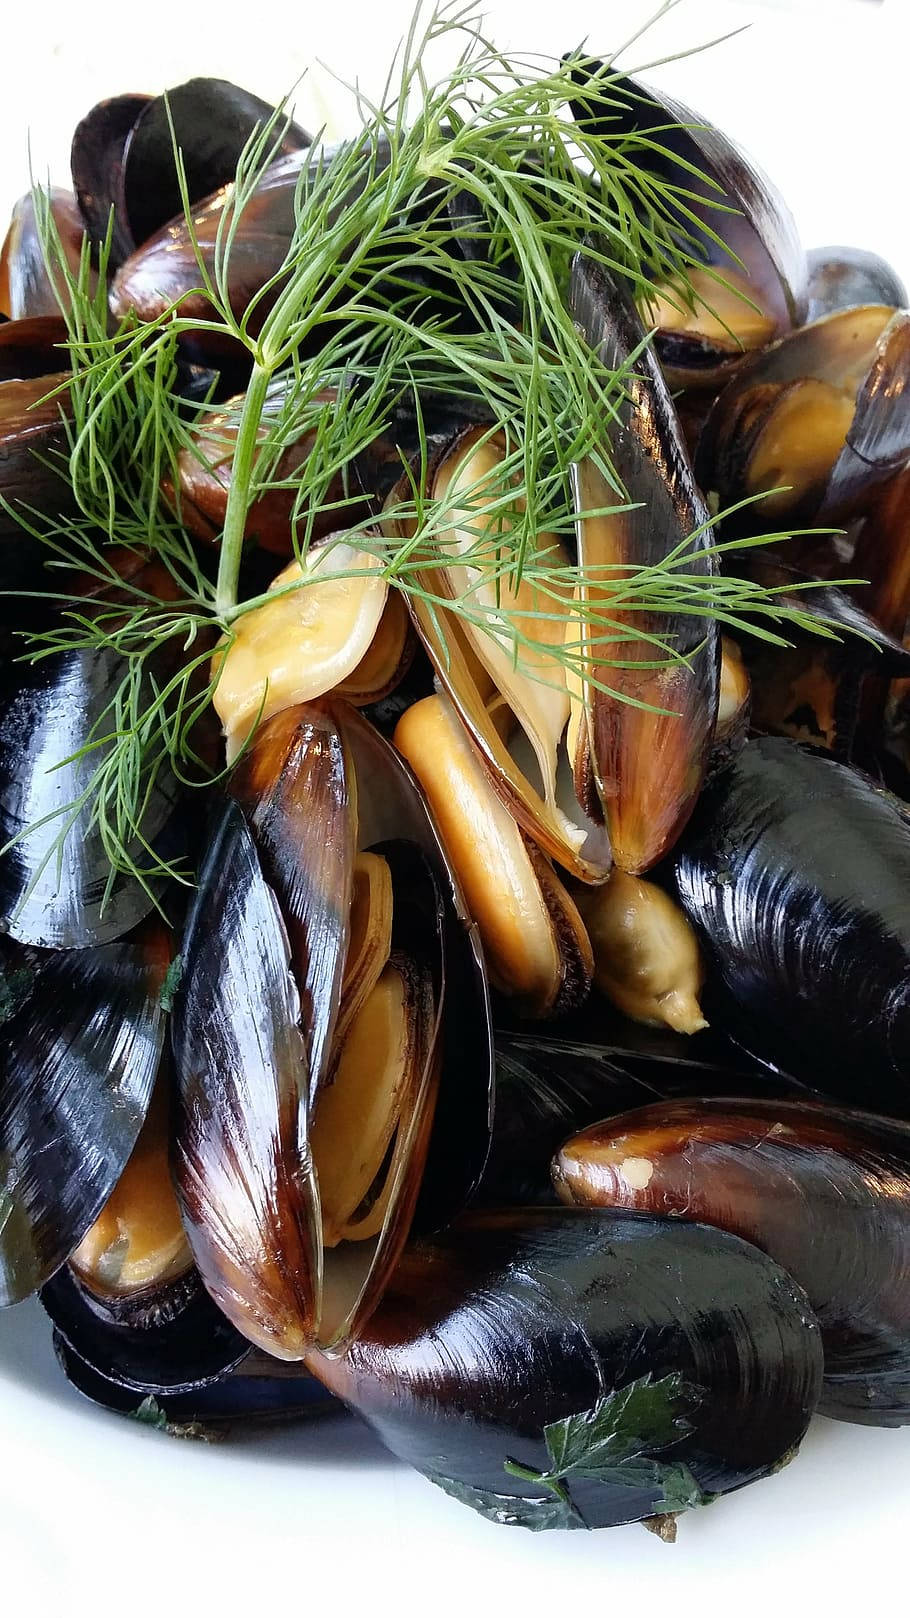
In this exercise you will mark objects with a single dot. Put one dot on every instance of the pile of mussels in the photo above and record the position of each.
(580, 1275)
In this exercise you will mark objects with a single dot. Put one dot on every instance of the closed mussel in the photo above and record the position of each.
(824, 1191)
(846, 277)
(556, 1368)
(796, 873)
(311, 1036)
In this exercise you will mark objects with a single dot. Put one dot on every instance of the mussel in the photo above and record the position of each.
(648, 733)
(80, 1040)
(204, 474)
(122, 158)
(824, 1191)
(332, 625)
(795, 871)
(535, 943)
(313, 1033)
(646, 956)
(513, 700)
(814, 424)
(57, 887)
(27, 286)
(749, 275)
(846, 277)
(505, 1352)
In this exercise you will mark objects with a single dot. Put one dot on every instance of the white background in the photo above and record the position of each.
(98, 1515)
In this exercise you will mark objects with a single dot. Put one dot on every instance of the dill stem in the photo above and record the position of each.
(239, 493)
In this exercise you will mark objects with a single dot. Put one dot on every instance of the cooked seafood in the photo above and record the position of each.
(495, 1335)
(824, 1191)
(795, 873)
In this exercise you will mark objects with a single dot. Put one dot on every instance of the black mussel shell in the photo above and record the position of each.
(187, 1345)
(845, 277)
(824, 1191)
(211, 121)
(751, 238)
(56, 885)
(33, 347)
(796, 871)
(164, 269)
(96, 163)
(242, 1163)
(651, 729)
(256, 1390)
(122, 155)
(512, 1322)
(33, 450)
(548, 1088)
(80, 1040)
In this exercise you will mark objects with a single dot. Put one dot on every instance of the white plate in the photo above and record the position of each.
(98, 1514)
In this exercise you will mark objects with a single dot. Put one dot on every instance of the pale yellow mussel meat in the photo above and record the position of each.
(137, 1243)
(646, 956)
(500, 657)
(720, 308)
(534, 940)
(300, 646)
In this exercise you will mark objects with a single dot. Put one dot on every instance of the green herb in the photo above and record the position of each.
(612, 1444)
(150, 1414)
(492, 138)
(171, 984)
(16, 985)
(511, 1510)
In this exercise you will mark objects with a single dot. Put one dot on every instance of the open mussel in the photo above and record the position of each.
(123, 163)
(649, 723)
(814, 424)
(535, 944)
(795, 871)
(314, 1032)
(817, 688)
(505, 1352)
(824, 1191)
(847, 277)
(513, 701)
(80, 1040)
(748, 281)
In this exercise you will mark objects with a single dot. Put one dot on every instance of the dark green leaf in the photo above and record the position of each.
(512, 1510)
(171, 984)
(151, 1414)
(644, 1415)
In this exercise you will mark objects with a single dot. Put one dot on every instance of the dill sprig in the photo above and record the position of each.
(372, 302)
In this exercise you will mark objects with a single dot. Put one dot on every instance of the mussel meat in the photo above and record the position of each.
(311, 1036)
(648, 734)
(814, 424)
